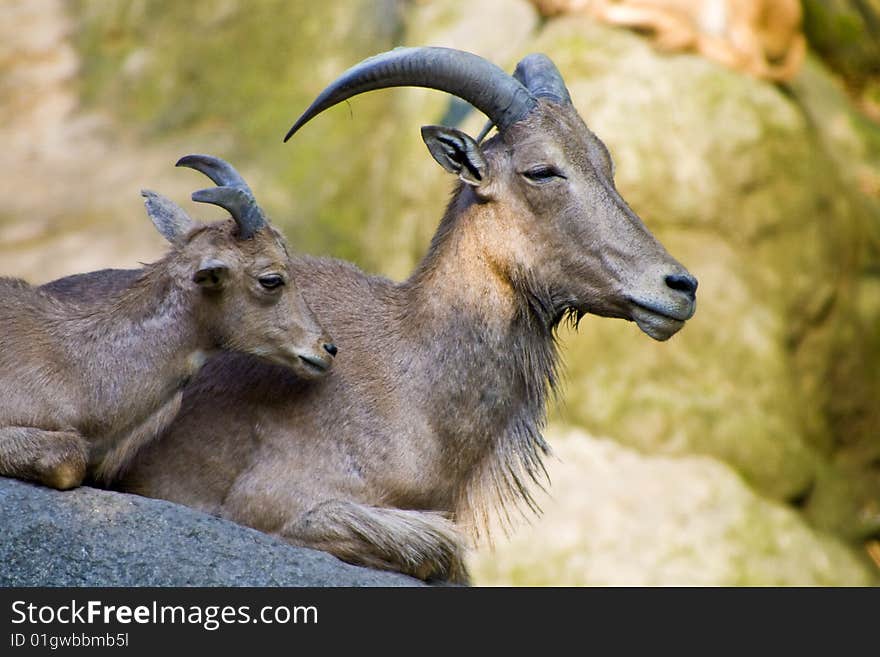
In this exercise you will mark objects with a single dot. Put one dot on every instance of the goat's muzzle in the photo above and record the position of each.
(661, 312)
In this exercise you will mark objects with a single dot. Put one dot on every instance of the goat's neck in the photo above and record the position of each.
(458, 284)
(138, 346)
(487, 356)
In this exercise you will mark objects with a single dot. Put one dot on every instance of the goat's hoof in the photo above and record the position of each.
(449, 568)
(65, 466)
(65, 476)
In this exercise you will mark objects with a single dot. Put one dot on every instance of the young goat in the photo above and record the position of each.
(86, 382)
(433, 412)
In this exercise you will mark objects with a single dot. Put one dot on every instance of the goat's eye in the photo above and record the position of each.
(271, 281)
(542, 173)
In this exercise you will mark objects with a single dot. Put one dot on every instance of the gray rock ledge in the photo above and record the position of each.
(91, 537)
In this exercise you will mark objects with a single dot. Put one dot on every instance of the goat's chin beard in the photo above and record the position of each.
(570, 315)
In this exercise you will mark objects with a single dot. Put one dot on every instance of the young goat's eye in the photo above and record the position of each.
(271, 281)
(542, 173)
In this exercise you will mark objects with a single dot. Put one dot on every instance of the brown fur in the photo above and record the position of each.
(87, 379)
(760, 37)
(434, 409)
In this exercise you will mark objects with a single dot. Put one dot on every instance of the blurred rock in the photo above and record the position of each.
(37, 71)
(230, 78)
(88, 537)
(615, 517)
(70, 195)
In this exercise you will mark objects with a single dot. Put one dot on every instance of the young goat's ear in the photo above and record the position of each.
(211, 274)
(456, 152)
(169, 218)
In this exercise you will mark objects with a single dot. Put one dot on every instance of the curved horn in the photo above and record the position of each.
(542, 78)
(232, 192)
(470, 77)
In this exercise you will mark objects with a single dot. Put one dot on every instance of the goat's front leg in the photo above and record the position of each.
(756, 60)
(672, 32)
(53, 458)
(109, 466)
(423, 544)
(787, 68)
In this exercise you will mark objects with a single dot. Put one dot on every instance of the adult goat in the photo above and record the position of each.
(86, 382)
(434, 410)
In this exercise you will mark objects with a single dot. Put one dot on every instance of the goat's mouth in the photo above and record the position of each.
(313, 365)
(306, 365)
(660, 322)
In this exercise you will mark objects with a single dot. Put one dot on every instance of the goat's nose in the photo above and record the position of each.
(683, 283)
(330, 348)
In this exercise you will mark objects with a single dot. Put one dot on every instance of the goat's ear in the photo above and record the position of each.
(211, 274)
(169, 218)
(457, 152)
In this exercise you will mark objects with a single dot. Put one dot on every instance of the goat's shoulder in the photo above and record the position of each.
(11, 288)
(324, 267)
(20, 299)
(337, 278)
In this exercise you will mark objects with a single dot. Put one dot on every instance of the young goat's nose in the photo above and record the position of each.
(683, 283)
(330, 348)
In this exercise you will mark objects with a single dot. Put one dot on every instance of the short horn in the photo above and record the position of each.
(220, 171)
(232, 192)
(541, 77)
(470, 77)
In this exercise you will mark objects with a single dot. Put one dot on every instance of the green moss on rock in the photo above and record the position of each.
(235, 75)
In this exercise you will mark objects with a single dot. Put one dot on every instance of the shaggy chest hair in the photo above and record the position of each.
(496, 387)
